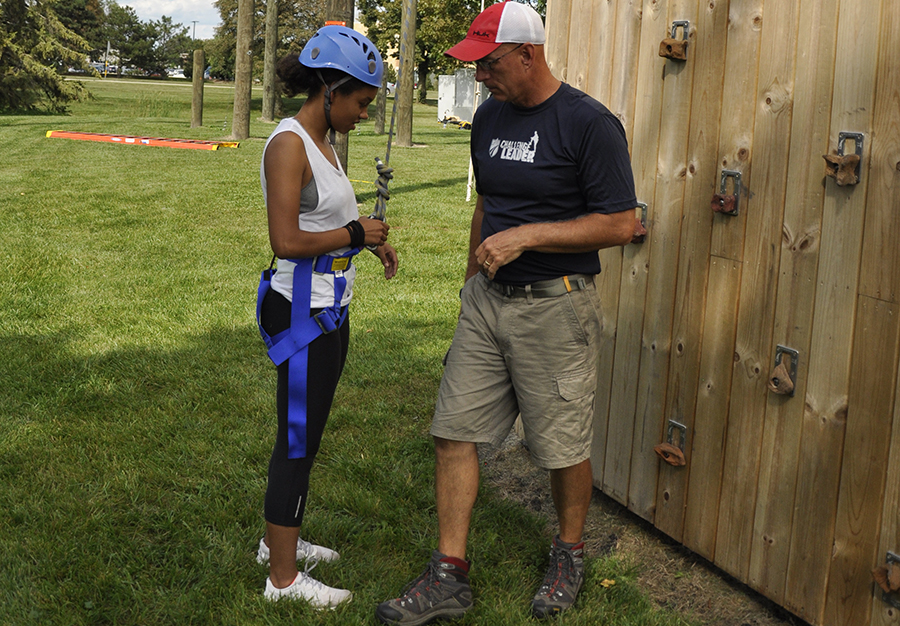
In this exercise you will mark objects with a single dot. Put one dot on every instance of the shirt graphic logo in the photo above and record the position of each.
(515, 150)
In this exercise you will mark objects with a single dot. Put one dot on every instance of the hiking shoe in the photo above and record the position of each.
(305, 587)
(442, 591)
(562, 581)
(306, 551)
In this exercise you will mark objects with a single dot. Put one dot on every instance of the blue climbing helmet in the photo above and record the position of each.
(341, 48)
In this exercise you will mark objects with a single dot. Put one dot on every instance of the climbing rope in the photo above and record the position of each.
(385, 174)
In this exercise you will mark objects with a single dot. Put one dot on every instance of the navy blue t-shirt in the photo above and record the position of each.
(562, 159)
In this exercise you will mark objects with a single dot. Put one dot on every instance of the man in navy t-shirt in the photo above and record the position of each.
(554, 186)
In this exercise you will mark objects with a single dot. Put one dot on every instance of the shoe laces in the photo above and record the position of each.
(306, 548)
(562, 563)
(310, 566)
(428, 578)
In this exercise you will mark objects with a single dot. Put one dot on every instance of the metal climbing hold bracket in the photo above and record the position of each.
(857, 138)
(780, 351)
(891, 598)
(684, 24)
(670, 432)
(640, 223)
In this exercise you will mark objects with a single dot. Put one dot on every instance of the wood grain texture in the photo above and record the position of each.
(796, 291)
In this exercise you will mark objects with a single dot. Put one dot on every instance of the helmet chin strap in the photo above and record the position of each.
(329, 94)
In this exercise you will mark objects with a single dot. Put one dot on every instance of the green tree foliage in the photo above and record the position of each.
(297, 21)
(35, 48)
(439, 25)
(173, 44)
(85, 17)
(150, 46)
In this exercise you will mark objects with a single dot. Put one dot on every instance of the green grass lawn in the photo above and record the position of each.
(137, 402)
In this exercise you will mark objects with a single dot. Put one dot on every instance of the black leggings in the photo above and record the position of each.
(288, 484)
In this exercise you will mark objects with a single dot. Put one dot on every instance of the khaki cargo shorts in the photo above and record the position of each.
(534, 356)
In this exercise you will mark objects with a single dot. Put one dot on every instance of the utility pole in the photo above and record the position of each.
(404, 89)
(194, 36)
(197, 92)
(340, 11)
(243, 67)
(269, 94)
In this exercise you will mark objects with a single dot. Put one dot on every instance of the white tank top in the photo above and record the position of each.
(336, 207)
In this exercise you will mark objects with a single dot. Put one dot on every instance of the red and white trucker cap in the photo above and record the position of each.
(504, 22)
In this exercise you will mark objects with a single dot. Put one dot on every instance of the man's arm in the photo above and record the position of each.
(583, 234)
(473, 267)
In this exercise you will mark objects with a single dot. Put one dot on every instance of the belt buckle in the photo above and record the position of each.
(507, 290)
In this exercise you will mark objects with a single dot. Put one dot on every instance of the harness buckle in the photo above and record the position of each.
(326, 322)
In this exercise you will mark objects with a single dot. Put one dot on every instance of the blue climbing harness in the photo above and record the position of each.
(292, 344)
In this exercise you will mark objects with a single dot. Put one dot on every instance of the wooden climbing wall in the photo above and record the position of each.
(798, 496)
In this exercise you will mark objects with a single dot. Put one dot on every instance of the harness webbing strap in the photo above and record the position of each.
(292, 345)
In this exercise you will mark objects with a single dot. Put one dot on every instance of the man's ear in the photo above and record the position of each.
(528, 55)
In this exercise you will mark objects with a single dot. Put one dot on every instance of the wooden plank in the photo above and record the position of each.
(600, 47)
(627, 35)
(667, 203)
(624, 67)
(635, 265)
(745, 21)
(754, 348)
(557, 29)
(770, 548)
(884, 614)
(859, 509)
(707, 53)
(825, 417)
(580, 40)
(881, 254)
(881, 213)
(708, 435)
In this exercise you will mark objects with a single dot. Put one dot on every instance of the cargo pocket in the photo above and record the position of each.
(574, 385)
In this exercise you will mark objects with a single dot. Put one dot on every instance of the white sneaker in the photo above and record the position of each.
(305, 587)
(306, 551)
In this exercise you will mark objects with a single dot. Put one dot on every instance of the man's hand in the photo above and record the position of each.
(500, 249)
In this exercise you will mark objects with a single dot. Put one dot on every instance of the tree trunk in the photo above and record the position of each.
(269, 85)
(341, 11)
(405, 81)
(381, 104)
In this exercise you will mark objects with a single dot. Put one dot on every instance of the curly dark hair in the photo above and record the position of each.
(296, 78)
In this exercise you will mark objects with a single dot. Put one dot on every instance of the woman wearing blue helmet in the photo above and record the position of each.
(314, 230)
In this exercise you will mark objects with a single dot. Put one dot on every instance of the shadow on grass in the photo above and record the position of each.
(369, 196)
(134, 477)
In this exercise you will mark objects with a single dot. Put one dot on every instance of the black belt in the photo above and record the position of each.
(545, 288)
